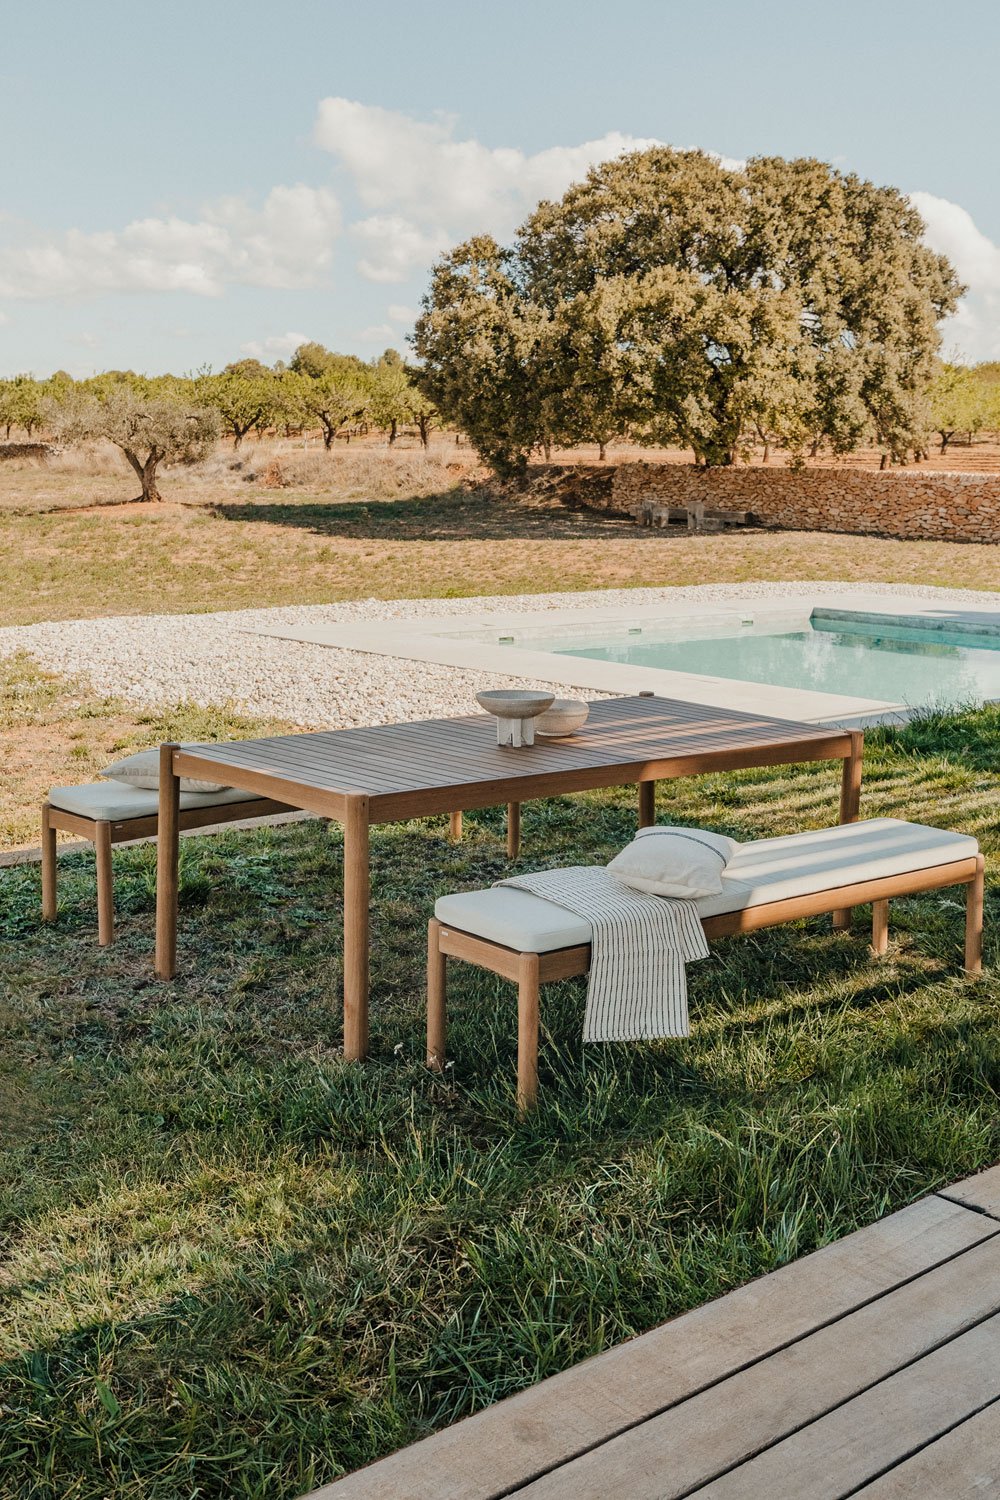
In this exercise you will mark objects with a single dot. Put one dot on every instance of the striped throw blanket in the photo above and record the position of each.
(637, 987)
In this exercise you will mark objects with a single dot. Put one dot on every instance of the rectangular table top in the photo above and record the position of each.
(442, 765)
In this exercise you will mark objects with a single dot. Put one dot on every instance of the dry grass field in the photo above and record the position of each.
(275, 524)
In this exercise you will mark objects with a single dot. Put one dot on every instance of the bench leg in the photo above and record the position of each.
(974, 920)
(105, 885)
(647, 804)
(437, 998)
(455, 828)
(880, 927)
(49, 868)
(513, 829)
(850, 805)
(527, 1032)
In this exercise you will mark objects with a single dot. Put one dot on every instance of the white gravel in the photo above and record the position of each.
(157, 660)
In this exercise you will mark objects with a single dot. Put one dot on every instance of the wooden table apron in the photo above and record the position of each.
(402, 771)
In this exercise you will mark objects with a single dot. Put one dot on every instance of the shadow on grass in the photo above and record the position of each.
(478, 515)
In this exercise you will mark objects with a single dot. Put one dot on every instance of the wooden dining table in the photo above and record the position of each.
(362, 777)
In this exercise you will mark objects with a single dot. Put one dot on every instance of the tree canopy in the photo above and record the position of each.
(151, 421)
(679, 301)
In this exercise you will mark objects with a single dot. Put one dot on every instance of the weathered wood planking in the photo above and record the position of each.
(673, 1453)
(439, 765)
(878, 1428)
(507, 1445)
(962, 1465)
(981, 1192)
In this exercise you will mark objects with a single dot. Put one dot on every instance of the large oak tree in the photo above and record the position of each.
(682, 301)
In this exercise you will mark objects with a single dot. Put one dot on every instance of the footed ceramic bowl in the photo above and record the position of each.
(565, 716)
(516, 710)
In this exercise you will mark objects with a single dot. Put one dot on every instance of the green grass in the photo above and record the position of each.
(234, 1266)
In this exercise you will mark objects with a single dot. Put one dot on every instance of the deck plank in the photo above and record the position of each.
(962, 1465)
(508, 1444)
(981, 1192)
(881, 1427)
(687, 1446)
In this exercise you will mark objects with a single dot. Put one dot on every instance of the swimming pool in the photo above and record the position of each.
(904, 659)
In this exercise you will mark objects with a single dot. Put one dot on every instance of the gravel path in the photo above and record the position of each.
(155, 660)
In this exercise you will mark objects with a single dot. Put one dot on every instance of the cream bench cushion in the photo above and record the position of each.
(798, 864)
(113, 802)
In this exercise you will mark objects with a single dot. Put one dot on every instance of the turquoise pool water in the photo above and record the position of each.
(897, 661)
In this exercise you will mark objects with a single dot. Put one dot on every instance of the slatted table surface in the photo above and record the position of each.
(869, 1368)
(368, 776)
(437, 765)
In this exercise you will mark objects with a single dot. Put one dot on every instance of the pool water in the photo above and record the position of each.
(894, 661)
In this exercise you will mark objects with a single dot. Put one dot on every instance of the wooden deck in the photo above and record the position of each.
(869, 1368)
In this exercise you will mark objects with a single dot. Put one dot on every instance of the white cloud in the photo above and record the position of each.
(375, 333)
(275, 346)
(395, 247)
(429, 190)
(287, 242)
(397, 312)
(974, 331)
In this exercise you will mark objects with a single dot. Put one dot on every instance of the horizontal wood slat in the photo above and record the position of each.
(439, 760)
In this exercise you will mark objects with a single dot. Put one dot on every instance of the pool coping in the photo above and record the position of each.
(443, 640)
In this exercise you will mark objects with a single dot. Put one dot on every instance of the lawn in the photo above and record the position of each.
(380, 526)
(235, 1266)
(57, 732)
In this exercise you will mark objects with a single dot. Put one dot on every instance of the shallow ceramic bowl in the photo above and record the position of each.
(515, 703)
(566, 716)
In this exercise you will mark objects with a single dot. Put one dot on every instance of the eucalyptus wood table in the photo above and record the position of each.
(363, 776)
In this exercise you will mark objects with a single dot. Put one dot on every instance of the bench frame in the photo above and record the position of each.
(530, 970)
(104, 834)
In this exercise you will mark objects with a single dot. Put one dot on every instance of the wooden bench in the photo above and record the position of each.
(529, 940)
(107, 813)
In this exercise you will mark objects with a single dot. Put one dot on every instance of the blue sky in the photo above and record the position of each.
(184, 183)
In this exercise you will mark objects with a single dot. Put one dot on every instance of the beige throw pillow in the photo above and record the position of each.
(143, 770)
(685, 862)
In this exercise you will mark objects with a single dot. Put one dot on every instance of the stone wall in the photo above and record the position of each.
(942, 507)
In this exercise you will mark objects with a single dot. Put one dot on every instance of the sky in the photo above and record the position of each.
(186, 183)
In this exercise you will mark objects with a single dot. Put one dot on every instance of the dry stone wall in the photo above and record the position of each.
(941, 507)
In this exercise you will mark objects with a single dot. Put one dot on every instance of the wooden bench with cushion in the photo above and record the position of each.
(108, 812)
(767, 882)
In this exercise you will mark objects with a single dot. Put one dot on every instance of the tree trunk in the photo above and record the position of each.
(237, 440)
(327, 436)
(884, 463)
(814, 448)
(146, 472)
(393, 426)
(945, 440)
(602, 450)
(424, 433)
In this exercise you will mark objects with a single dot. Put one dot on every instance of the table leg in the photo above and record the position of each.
(357, 890)
(850, 802)
(647, 804)
(167, 836)
(513, 829)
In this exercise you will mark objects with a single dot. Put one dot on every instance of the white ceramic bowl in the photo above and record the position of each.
(566, 716)
(515, 703)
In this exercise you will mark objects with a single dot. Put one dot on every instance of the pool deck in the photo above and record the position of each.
(870, 1368)
(445, 641)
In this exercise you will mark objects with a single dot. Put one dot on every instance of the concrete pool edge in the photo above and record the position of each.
(443, 640)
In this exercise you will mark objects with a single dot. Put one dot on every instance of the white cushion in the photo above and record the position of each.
(801, 863)
(684, 862)
(766, 870)
(143, 770)
(112, 802)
